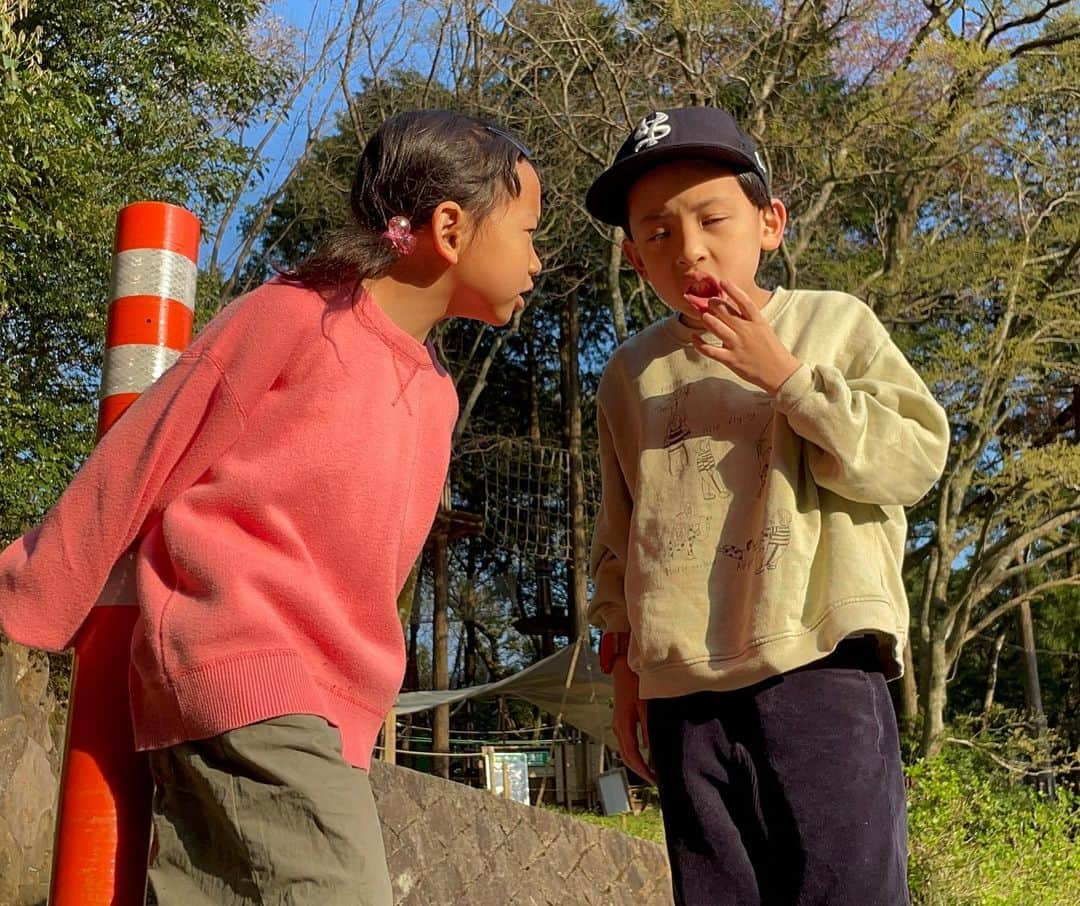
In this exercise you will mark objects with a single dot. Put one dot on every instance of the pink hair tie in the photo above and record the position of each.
(399, 235)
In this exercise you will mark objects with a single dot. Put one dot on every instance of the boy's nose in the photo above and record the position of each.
(535, 266)
(690, 255)
(692, 250)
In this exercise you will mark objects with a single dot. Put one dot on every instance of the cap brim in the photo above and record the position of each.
(606, 197)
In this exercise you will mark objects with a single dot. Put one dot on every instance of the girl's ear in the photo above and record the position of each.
(773, 222)
(449, 230)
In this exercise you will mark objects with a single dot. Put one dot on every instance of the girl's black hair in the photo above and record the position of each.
(413, 163)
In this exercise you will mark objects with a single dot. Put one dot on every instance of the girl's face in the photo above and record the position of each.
(498, 263)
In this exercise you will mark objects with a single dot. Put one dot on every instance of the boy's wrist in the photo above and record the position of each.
(613, 646)
(783, 371)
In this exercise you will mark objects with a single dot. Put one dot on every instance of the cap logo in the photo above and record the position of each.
(760, 162)
(650, 130)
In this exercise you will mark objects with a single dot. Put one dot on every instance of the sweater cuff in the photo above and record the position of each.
(797, 386)
(611, 619)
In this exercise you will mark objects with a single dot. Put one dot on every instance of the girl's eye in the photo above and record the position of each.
(709, 221)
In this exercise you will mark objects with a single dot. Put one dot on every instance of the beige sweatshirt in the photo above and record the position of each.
(740, 536)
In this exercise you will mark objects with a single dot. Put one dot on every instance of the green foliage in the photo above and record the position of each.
(101, 104)
(980, 840)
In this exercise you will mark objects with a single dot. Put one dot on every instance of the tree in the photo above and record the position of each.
(103, 104)
(927, 154)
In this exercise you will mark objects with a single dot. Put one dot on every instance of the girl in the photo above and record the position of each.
(279, 482)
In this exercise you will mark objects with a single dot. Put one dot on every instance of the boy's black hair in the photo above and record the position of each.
(752, 185)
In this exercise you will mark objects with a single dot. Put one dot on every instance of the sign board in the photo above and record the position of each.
(508, 770)
(614, 792)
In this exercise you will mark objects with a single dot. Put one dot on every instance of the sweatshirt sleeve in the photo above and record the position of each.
(878, 437)
(607, 610)
(52, 576)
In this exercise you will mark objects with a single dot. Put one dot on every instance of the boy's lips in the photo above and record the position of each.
(700, 288)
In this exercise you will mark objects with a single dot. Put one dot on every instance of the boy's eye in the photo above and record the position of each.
(657, 234)
(708, 221)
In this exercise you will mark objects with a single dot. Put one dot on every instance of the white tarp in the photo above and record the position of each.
(586, 704)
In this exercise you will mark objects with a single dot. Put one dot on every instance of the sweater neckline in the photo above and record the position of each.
(685, 334)
(393, 337)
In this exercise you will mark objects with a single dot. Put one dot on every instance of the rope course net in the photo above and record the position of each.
(526, 493)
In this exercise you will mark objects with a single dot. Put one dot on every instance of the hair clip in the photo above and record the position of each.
(399, 234)
(495, 130)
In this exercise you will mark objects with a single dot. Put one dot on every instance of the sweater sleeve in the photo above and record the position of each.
(878, 437)
(607, 610)
(51, 577)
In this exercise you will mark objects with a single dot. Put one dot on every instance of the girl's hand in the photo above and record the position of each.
(630, 713)
(750, 349)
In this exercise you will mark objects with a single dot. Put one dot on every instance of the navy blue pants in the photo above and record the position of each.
(788, 792)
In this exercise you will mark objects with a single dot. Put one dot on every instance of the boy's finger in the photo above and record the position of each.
(643, 719)
(717, 353)
(736, 295)
(720, 327)
(638, 764)
(629, 748)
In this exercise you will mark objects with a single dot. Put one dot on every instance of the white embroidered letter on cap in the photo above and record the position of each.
(651, 129)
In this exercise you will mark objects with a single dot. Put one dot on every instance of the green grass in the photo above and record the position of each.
(647, 824)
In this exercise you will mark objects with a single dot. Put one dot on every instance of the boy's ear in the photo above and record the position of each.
(634, 257)
(449, 230)
(773, 222)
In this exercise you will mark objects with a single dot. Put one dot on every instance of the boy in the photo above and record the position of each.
(756, 450)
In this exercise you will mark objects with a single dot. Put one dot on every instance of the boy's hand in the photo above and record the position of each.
(630, 711)
(750, 349)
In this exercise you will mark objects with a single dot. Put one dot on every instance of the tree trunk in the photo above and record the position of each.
(470, 651)
(909, 692)
(1044, 780)
(440, 679)
(406, 600)
(571, 403)
(934, 712)
(991, 677)
(412, 664)
(618, 307)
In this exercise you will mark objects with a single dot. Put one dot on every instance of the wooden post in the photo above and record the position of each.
(571, 403)
(390, 738)
(440, 653)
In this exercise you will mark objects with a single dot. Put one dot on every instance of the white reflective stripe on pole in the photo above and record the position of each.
(133, 368)
(154, 272)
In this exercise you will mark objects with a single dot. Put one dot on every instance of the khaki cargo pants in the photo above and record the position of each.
(266, 814)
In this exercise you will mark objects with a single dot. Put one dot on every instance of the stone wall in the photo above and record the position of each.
(28, 777)
(448, 843)
(445, 843)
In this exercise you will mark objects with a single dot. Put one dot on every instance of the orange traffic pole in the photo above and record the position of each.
(103, 821)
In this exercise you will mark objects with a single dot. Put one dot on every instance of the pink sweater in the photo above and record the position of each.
(280, 481)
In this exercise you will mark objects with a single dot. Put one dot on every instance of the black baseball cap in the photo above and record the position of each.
(708, 133)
